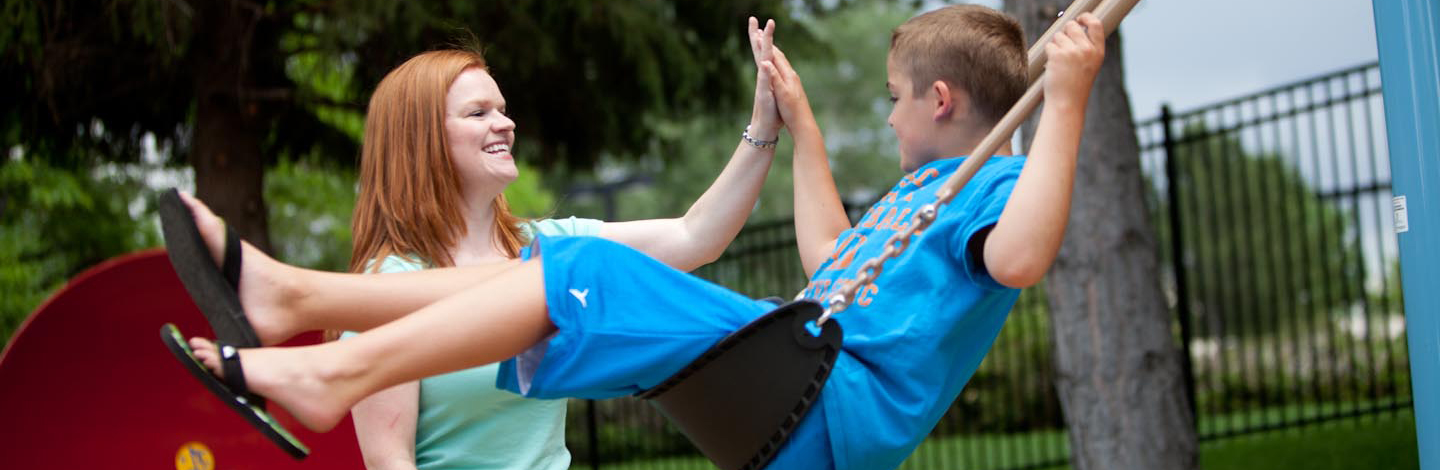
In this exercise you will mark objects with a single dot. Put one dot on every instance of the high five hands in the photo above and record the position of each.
(776, 82)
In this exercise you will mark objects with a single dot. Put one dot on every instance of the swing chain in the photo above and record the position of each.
(874, 266)
(896, 244)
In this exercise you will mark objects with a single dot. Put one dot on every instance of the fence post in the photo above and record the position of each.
(1408, 35)
(1177, 264)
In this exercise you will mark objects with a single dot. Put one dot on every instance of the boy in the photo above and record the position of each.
(932, 315)
(593, 319)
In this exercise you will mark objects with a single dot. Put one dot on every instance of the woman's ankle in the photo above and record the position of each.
(295, 299)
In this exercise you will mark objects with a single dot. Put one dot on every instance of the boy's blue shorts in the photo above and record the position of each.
(626, 322)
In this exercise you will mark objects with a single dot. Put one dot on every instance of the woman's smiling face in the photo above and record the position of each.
(478, 132)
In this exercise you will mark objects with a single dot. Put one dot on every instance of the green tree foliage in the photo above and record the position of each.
(231, 87)
(311, 206)
(583, 77)
(1258, 239)
(85, 81)
(54, 223)
(847, 90)
(844, 76)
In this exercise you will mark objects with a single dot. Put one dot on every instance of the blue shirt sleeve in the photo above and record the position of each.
(984, 200)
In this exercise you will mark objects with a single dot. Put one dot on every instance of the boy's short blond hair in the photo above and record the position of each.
(975, 48)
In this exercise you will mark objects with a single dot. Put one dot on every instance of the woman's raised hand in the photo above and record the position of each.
(765, 118)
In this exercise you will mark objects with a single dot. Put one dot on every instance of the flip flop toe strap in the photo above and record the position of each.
(231, 264)
(235, 375)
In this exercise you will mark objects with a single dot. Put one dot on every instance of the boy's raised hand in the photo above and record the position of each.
(789, 92)
(1074, 56)
(765, 117)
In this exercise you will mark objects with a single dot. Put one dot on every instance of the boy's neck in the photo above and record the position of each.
(965, 134)
(959, 147)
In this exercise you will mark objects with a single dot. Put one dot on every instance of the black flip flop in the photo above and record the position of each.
(215, 289)
(232, 390)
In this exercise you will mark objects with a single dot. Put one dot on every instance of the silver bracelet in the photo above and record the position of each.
(760, 144)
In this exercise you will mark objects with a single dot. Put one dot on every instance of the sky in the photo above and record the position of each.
(1190, 53)
(1193, 52)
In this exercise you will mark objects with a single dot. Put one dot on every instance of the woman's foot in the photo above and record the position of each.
(267, 288)
(310, 389)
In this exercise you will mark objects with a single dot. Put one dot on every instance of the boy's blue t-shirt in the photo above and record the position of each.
(914, 337)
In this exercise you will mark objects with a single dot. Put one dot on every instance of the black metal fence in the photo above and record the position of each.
(1278, 204)
(1281, 266)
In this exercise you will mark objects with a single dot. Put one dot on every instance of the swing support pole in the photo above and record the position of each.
(1408, 36)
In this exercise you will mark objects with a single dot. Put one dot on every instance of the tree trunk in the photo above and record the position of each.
(229, 167)
(1118, 371)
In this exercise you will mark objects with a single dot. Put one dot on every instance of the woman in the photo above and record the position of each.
(435, 160)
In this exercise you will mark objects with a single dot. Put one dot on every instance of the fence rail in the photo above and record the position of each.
(1272, 210)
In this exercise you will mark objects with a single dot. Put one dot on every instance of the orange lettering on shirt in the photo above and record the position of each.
(850, 254)
(897, 225)
(885, 223)
(816, 289)
(872, 216)
(840, 247)
(924, 175)
(867, 295)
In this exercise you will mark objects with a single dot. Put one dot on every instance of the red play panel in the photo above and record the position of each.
(86, 383)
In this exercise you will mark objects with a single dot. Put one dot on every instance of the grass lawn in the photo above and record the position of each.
(1213, 424)
(1379, 442)
(1385, 441)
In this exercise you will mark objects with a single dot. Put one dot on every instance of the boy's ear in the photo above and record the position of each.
(948, 101)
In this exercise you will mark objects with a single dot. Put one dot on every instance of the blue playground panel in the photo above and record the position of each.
(1408, 33)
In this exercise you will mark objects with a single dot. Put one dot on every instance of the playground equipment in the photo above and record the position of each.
(1408, 36)
(85, 385)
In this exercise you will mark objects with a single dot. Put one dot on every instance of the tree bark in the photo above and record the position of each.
(1118, 369)
(226, 156)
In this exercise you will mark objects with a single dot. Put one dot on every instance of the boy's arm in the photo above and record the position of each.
(819, 215)
(1026, 239)
(711, 223)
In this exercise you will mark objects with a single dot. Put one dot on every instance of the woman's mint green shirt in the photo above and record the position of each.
(464, 422)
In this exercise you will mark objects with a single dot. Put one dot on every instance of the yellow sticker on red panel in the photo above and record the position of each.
(194, 456)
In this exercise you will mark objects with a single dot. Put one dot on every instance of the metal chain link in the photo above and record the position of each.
(874, 266)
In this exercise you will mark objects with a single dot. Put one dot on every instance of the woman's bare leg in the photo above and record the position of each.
(482, 324)
(282, 300)
(359, 302)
